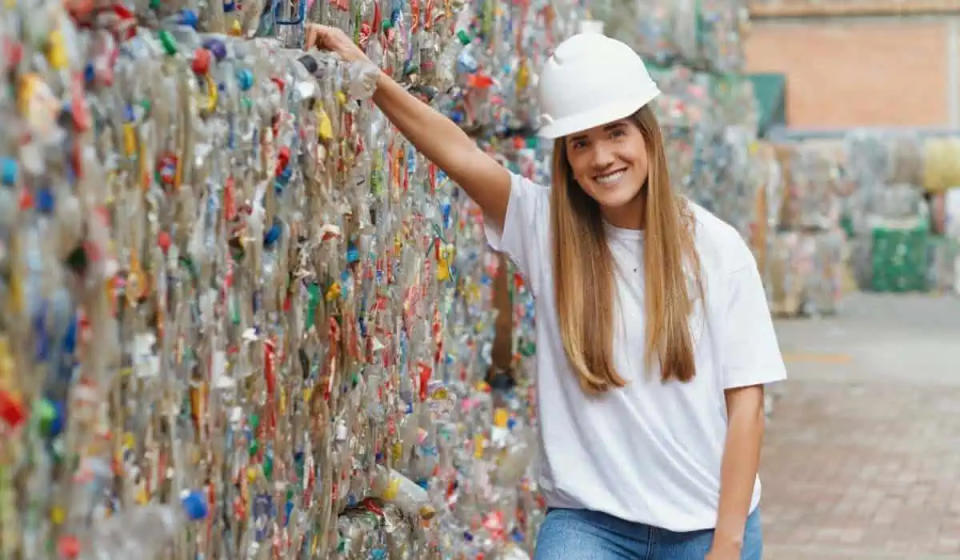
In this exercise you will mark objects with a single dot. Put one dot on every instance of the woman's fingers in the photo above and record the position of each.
(331, 39)
(322, 37)
(311, 37)
(317, 36)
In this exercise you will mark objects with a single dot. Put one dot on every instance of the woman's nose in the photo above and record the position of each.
(602, 156)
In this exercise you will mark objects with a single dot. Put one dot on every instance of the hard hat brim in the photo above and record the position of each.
(604, 114)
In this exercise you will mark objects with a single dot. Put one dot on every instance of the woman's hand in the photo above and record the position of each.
(334, 40)
(724, 551)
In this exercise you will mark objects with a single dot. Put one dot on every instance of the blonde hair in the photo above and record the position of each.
(583, 271)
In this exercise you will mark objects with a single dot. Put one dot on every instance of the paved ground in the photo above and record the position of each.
(862, 454)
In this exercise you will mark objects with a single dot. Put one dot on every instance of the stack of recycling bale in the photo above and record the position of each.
(901, 215)
(941, 180)
(240, 316)
(807, 247)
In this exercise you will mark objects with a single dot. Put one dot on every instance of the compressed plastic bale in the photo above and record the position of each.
(811, 199)
(900, 259)
(868, 158)
(805, 271)
(951, 211)
(941, 164)
(246, 292)
(900, 201)
(944, 260)
(702, 34)
(906, 160)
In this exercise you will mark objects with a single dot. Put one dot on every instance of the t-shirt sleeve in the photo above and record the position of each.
(750, 349)
(525, 226)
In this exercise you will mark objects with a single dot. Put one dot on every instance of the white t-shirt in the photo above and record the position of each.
(650, 452)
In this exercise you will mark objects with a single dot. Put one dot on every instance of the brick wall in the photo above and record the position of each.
(857, 71)
(787, 8)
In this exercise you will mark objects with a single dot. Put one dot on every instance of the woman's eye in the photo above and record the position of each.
(618, 133)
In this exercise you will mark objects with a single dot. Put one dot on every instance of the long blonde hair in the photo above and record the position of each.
(583, 271)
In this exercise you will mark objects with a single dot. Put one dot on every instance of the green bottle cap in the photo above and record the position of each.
(47, 414)
(268, 466)
(168, 42)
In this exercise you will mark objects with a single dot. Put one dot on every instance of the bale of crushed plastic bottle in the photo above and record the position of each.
(941, 164)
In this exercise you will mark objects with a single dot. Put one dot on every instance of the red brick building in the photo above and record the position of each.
(861, 62)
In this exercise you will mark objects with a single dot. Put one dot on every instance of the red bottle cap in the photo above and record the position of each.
(11, 410)
(201, 60)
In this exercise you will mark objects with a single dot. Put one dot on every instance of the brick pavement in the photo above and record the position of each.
(862, 462)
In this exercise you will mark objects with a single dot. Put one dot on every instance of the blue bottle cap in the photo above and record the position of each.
(8, 171)
(188, 17)
(195, 505)
(286, 174)
(45, 200)
(272, 235)
(70, 338)
(245, 77)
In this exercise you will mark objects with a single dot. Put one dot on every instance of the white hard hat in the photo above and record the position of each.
(591, 80)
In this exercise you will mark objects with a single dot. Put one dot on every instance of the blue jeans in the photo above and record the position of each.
(577, 534)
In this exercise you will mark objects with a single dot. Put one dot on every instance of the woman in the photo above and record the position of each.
(653, 334)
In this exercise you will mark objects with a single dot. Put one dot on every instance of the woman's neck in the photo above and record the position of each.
(632, 215)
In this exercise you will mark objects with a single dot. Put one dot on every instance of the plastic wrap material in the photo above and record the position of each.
(868, 159)
(811, 197)
(942, 164)
(944, 275)
(805, 272)
(945, 248)
(704, 34)
(906, 159)
(900, 201)
(899, 258)
(710, 142)
(951, 211)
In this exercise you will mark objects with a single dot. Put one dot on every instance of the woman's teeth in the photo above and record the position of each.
(611, 178)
